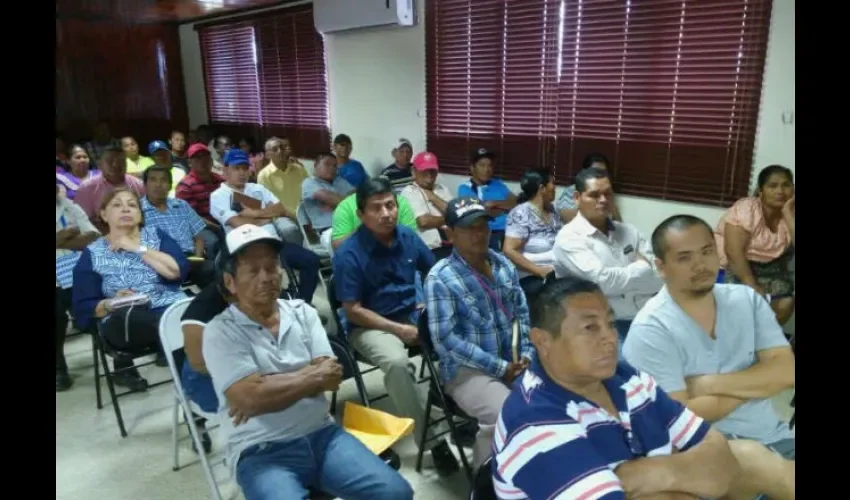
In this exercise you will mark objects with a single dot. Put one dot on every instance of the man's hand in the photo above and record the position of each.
(543, 271)
(238, 416)
(641, 480)
(790, 207)
(699, 385)
(67, 233)
(512, 372)
(251, 213)
(124, 293)
(328, 374)
(408, 334)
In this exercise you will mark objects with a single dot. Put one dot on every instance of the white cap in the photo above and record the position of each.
(244, 235)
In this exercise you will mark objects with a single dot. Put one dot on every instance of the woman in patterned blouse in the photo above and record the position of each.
(531, 229)
(79, 169)
(129, 260)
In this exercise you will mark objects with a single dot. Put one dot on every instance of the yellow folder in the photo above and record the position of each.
(376, 429)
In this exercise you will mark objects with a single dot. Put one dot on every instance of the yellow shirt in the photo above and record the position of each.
(285, 184)
(177, 175)
(139, 166)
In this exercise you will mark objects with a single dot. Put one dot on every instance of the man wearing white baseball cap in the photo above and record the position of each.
(271, 363)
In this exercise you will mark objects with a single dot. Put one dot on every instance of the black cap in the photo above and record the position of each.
(482, 153)
(462, 212)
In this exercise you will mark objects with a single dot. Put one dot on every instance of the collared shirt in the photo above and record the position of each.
(321, 215)
(101, 273)
(197, 193)
(551, 443)
(345, 220)
(610, 261)
(284, 183)
(667, 343)
(221, 203)
(353, 172)
(420, 205)
(235, 347)
(178, 220)
(471, 318)
(494, 190)
(69, 214)
(382, 279)
(92, 191)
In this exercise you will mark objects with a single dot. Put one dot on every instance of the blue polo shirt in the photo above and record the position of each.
(493, 190)
(353, 172)
(552, 443)
(381, 278)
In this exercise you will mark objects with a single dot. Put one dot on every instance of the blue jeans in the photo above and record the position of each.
(199, 388)
(307, 263)
(330, 460)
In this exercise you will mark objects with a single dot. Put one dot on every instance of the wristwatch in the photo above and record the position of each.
(142, 249)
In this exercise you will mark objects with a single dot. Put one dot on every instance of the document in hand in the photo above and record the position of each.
(515, 342)
(247, 201)
(376, 429)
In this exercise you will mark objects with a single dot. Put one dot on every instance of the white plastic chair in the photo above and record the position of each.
(171, 337)
(313, 242)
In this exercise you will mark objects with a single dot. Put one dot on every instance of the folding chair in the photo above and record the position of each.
(482, 485)
(313, 242)
(100, 350)
(452, 414)
(171, 337)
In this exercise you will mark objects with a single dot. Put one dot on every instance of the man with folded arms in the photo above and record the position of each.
(578, 424)
(718, 349)
(321, 194)
(271, 362)
(428, 200)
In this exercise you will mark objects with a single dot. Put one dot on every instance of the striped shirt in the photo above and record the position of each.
(179, 221)
(471, 318)
(551, 443)
(197, 192)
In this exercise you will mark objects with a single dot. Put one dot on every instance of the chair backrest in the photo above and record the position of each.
(171, 335)
(425, 340)
(332, 300)
(482, 483)
(306, 226)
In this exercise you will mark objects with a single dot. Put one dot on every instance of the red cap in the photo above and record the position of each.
(196, 148)
(425, 161)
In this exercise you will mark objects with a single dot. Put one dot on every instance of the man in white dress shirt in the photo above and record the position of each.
(612, 254)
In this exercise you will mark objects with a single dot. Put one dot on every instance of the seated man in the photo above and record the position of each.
(400, 173)
(178, 220)
(580, 425)
(345, 220)
(283, 176)
(495, 194)
(162, 157)
(322, 193)
(113, 175)
(474, 299)
(271, 362)
(428, 200)
(231, 213)
(375, 281)
(718, 349)
(196, 189)
(349, 169)
(612, 254)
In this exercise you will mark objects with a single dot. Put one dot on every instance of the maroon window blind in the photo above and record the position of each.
(668, 90)
(281, 88)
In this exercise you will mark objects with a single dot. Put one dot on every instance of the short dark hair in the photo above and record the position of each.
(547, 308)
(370, 188)
(768, 171)
(111, 150)
(157, 168)
(323, 155)
(592, 158)
(342, 139)
(678, 222)
(589, 174)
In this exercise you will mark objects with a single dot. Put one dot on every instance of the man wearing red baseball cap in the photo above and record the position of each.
(196, 187)
(428, 200)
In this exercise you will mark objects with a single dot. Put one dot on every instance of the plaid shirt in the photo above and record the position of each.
(471, 319)
(178, 221)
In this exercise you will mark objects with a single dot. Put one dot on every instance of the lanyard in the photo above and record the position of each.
(493, 295)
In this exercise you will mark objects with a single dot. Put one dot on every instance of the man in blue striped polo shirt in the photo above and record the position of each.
(578, 425)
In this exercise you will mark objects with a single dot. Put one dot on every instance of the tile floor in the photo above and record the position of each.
(93, 461)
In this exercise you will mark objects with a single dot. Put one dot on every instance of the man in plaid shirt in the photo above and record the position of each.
(474, 299)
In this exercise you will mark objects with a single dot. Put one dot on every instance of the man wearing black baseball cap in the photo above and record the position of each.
(475, 308)
(498, 200)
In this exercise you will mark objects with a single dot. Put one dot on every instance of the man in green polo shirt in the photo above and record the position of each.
(345, 219)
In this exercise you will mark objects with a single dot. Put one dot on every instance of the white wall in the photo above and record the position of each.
(377, 95)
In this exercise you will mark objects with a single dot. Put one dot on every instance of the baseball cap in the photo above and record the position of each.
(404, 142)
(462, 212)
(482, 153)
(425, 161)
(246, 234)
(197, 148)
(235, 157)
(157, 145)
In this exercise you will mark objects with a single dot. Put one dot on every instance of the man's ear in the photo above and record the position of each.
(450, 234)
(540, 338)
(229, 283)
(659, 265)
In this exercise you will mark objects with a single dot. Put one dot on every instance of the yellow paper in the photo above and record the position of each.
(194, 258)
(376, 429)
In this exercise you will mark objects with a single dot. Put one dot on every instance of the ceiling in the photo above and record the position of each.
(155, 11)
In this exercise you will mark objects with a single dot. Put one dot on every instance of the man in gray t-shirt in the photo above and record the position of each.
(718, 349)
(321, 193)
(271, 363)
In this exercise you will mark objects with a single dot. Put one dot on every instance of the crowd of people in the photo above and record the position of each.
(597, 362)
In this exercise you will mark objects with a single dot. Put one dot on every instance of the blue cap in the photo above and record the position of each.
(155, 146)
(235, 157)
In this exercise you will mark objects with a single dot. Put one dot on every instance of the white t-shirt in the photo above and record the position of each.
(221, 203)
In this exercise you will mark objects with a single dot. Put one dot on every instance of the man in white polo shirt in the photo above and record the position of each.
(718, 349)
(271, 363)
(612, 254)
(428, 200)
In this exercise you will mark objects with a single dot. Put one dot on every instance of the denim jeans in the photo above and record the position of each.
(199, 388)
(307, 264)
(330, 460)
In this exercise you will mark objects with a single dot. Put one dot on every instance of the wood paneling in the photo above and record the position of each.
(155, 11)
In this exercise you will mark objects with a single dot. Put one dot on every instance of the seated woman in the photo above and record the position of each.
(755, 240)
(566, 204)
(79, 169)
(531, 229)
(130, 259)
